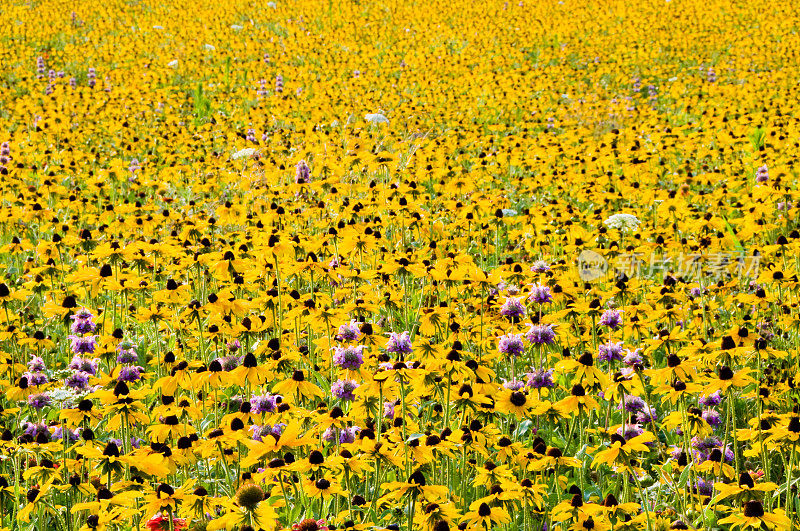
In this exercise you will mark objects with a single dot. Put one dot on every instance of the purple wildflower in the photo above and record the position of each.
(511, 344)
(540, 266)
(647, 415)
(611, 319)
(514, 385)
(540, 294)
(39, 400)
(230, 362)
(302, 173)
(711, 400)
(631, 431)
(712, 417)
(399, 343)
(257, 433)
(540, 334)
(130, 373)
(78, 380)
(35, 378)
(36, 429)
(704, 488)
(83, 364)
(348, 435)
(83, 345)
(632, 357)
(632, 404)
(762, 174)
(58, 433)
(349, 331)
(610, 352)
(350, 358)
(265, 403)
(513, 309)
(233, 346)
(36, 364)
(540, 378)
(343, 389)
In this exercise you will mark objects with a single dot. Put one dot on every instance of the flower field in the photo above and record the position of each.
(306, 265)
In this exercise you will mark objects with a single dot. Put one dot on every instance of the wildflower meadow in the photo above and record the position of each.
(413, 266)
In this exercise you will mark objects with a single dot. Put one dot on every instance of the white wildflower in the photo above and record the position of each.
(623, 222)
(245, 153)
(376, 118)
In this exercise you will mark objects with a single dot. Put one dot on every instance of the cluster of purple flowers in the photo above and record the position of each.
(610, 352)
(399, 343)
(511, 344)
(632, 358)
(262, 88)
(630, 431)
(514, 385)
(128, 357)
(540, 266)
(642, 412)
(72, 435)
(345, 435)
(540, 379)
(259, 432)
(266, 403)
(762, 174)
(540, 294)
(5, 157)
(348, 331)
(350, 358)
(38, 431)
(83, 324)
(611, 319)
(302, 173)
(343, 389)
(704, 447)
(35, 374)
(709, 414)
(82, 369)
(38, 400)
(513, 309)
(542, 334)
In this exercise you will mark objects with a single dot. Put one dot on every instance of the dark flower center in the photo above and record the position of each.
(249, 496)
(518, 399)
(753, 509)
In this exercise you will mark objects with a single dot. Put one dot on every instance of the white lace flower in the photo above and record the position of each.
(623, 222)
(376, 118)
(245, 153)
